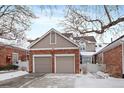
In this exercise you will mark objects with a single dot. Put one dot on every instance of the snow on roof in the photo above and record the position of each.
(100, 48)
(113, 44)
(87, 53)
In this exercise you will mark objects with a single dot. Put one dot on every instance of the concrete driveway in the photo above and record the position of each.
(74, 81)
(19, 81)
(53, 81)
(40, 80)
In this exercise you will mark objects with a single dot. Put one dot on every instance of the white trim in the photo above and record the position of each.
(33, 56)
(55, 32)
(56, 55)
(64, 54)
(122, 57)
(54, 64)
(54, 48)
(40, 49)
(44, 55)
(50, 38)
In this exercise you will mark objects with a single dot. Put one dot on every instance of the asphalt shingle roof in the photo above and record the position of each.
(89, 38)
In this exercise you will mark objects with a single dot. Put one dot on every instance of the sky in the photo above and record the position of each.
(46, 21)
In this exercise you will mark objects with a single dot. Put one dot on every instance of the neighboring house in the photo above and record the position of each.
(68, 35)
(11, 55)
(87, 47)
(87, 43)
(113, 56)
(54, 53)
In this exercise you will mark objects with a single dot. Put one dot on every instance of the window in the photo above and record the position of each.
(15, 58)
(52, 38)
(82, 46)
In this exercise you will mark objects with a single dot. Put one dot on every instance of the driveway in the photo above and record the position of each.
(40, 80)
(74, 81)
(19, 81)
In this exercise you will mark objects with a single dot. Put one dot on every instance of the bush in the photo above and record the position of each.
(9, 67)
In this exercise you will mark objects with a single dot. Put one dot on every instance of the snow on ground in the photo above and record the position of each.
(87, 53)
(91, 81)
(5, 71)
(88, 80)
(10, 75)
(102, 74)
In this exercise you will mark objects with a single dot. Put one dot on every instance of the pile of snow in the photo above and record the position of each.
(87, 53)
(10, 75)
(102, 74)
(4, 71)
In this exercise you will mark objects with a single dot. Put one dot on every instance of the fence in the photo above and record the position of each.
(23, 65)
(93, 67)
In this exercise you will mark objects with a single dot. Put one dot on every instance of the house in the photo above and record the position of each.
(113, 56)
(87, 47)
(54, 53)
(11, 55)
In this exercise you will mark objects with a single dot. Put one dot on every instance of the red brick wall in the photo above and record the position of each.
(6, 55)
(69, 51)
(113, 61)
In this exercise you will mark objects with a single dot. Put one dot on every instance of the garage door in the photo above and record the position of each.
(43, 64)
(65, 64)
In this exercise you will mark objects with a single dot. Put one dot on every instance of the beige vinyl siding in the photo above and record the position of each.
(60, 43)
(52, 37)
(90, 47)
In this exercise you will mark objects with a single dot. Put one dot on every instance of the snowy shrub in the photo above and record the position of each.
(9, 67)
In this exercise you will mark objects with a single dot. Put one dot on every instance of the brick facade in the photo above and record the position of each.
(53, 52)
(113, 61)
(6, 54)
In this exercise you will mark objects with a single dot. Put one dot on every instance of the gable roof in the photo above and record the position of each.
(52, 29)
(89, 38)
(10, 46)
(67, 34)
(30, 40)
(113, 44)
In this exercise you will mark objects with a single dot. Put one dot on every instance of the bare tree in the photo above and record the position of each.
(97, 19)
(14, 21)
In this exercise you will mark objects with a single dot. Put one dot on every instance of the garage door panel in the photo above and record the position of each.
(65, 64)
(43, 64)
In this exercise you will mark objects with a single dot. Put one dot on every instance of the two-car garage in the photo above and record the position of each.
(54, 53)
(63, 63)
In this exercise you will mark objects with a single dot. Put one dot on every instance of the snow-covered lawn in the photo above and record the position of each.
(10, 75)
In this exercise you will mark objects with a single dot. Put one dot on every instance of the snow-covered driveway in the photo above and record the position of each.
(99, 83)
(11, 75)
(75, 81)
